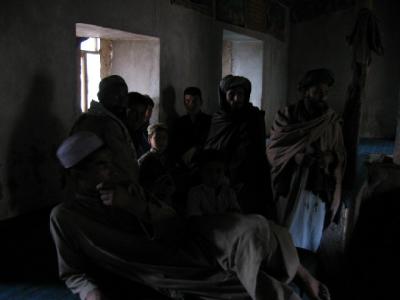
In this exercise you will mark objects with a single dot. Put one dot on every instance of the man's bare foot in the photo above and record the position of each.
(95, 294)
(315, 289)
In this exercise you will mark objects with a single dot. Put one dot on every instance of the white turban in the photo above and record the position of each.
(78, 146)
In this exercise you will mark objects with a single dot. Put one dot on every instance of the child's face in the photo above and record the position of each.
(213, 173)
(159, 140)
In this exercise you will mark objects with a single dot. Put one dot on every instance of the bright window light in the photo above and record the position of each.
(90, 71)
(91, 44)
(93, 68)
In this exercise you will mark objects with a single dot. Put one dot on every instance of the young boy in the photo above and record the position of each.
(154, 174)
(213, 195)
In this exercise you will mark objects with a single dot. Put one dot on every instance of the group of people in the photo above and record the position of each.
(206, 208)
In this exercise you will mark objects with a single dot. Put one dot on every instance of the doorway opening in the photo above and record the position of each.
(242, 55)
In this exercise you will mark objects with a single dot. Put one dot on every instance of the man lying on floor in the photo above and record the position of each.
(228, 256)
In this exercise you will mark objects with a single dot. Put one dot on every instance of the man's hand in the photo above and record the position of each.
(160, 212)
(106, 193)
(113, 195)
(337, 197)
(326, 160)
(131, 198)
(333, 208)
(188, 155)
(329, 217)
(305, 159)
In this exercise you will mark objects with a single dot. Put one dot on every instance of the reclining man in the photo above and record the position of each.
(104, 226)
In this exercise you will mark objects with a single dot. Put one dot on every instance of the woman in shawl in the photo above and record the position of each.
(238, 131)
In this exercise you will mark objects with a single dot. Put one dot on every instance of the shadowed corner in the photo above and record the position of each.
(30, 187)
(32, 170)
(168, 112)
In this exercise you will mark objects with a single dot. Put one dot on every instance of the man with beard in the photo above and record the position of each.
(307, 156)
(238, 132)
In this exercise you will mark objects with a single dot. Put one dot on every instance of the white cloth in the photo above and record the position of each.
(203, 201)
(308, 221)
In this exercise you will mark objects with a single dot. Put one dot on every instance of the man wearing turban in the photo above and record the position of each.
(238, 131)
(307, 155)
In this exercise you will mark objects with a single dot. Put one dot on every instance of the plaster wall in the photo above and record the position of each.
(321, 43)
(247, 61)
(274, 62)
(38, 87)
(226, 58)
(138, 62)
(396, 151)
(379, 113)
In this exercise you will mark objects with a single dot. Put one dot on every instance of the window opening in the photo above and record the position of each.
(90, 71)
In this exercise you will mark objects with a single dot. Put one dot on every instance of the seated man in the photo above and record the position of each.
(229, 256)
(91, 222)
(154, 173)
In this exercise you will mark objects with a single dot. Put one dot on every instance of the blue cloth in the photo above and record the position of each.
(308, 222)
(35, 291)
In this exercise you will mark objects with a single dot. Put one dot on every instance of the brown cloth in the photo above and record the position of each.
(240, 136)
(365, 37)
(289, 137)
(225, 257)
